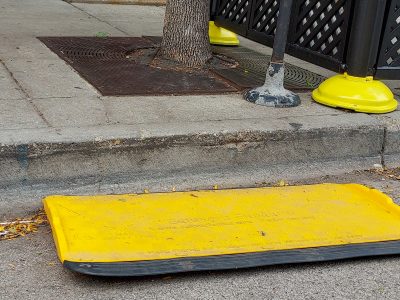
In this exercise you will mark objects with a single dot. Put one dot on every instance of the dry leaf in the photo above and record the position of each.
(21, 227)
(282, 183)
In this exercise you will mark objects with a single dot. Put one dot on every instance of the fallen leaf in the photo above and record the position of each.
(22, 227)
(282, 183)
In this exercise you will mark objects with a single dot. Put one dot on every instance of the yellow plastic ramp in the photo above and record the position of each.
(148, 234)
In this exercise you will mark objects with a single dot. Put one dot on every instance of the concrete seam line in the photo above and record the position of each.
(28, 97)
(98, 19)
(384, 142)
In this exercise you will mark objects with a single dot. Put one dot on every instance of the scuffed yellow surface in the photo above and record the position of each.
(203, 223)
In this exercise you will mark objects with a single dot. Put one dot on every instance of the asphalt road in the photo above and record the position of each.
(29, 269)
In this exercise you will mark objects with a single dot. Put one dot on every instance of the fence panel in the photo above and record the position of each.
(389, 55)
(318, 33)
(319, 30)
(234, 15)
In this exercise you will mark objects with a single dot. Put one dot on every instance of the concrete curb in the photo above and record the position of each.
(22, 200)
(116, 159)
(143, 154)
(392, 146)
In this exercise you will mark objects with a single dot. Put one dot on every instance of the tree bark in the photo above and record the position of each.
(185, 38)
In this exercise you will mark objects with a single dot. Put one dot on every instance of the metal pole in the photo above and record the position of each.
(272, 93)
(282, 29)
(213, 9)
(362, 47)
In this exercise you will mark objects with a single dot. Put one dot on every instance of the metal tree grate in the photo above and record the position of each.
(390, 53)
(108, 65)
(253, 66)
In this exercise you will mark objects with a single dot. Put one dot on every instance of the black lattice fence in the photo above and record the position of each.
(321, 30)
(321, 26)
(264, 16)
(389, 56)
(234, 14)
(318, 27)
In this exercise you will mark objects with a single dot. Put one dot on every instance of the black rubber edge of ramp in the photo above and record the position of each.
(234, 261)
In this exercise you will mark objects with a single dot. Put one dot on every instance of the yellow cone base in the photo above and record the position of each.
(147, 234)
(359, 94)
(221, 36)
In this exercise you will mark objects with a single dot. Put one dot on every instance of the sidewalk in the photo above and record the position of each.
(58, 134)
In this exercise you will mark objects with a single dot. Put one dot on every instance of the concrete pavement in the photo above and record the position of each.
(59, 135)
(52, 120)
(57, 131)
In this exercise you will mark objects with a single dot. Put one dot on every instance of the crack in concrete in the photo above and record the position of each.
(26, 94)
(21, 89)
(98, 19)
(45, 98)
(106, 111)
(383, 150)
(311, 115)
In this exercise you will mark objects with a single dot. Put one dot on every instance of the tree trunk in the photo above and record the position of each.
(185, 38)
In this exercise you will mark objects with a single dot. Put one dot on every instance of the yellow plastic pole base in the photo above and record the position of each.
(356, 93)
(221, 36)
